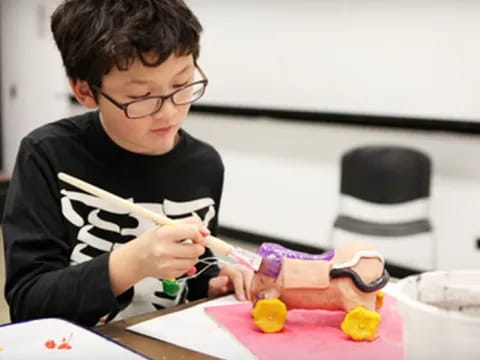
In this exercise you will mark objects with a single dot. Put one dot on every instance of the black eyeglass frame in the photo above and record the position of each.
(162, 98)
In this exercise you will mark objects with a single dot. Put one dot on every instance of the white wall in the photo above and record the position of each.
(32, 66)
(408, 58)
(282, 179)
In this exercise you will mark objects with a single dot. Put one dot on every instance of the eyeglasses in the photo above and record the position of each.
(149, 105)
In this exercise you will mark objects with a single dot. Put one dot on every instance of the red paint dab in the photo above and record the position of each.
(192, 271)
(65, 344)
(50, 344)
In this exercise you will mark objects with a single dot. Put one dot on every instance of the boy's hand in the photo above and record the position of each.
(160, 252)
(166, 254)
(232, 277)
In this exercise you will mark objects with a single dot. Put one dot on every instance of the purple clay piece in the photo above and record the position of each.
(274, 253)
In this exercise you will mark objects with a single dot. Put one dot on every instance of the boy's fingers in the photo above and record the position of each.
(197, 249)
(237, 281)
(219, 281)
(186, 250)
(181, 232)
(218, 285)
(195, 220)
(248, 280)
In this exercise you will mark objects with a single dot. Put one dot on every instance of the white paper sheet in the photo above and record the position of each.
(194, 329)
(26, 340)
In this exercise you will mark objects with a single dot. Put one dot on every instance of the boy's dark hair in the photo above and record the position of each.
(93, 36)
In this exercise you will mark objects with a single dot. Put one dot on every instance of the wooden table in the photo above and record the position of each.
(153, 348)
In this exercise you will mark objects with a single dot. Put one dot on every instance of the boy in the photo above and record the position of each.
(72, 255)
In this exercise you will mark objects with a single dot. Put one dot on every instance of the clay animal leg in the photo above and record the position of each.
(380, 295)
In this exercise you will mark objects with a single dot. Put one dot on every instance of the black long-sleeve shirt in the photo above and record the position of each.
(58, 239)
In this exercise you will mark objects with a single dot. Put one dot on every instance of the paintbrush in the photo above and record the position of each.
(242, 256)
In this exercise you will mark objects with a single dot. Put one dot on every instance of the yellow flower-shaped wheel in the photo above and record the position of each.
(379, 300)
(269, 315)
(361, 324)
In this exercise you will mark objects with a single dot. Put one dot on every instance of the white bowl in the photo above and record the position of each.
(441, 315)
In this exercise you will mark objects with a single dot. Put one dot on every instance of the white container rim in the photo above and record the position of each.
(432, 309)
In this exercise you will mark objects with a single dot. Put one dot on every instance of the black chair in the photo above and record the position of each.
(385, 193)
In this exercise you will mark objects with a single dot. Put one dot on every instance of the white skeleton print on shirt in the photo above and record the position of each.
(103, 226)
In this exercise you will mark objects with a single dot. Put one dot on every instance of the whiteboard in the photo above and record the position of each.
(416, 59)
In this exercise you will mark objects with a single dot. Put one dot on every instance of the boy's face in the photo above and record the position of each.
(155, 134)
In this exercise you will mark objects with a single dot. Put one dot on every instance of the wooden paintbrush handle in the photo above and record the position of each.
(214, 243)
(219, 246)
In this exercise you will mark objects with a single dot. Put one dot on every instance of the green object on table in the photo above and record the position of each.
(170, 287)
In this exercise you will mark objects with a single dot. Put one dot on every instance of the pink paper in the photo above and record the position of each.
(313, 334)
